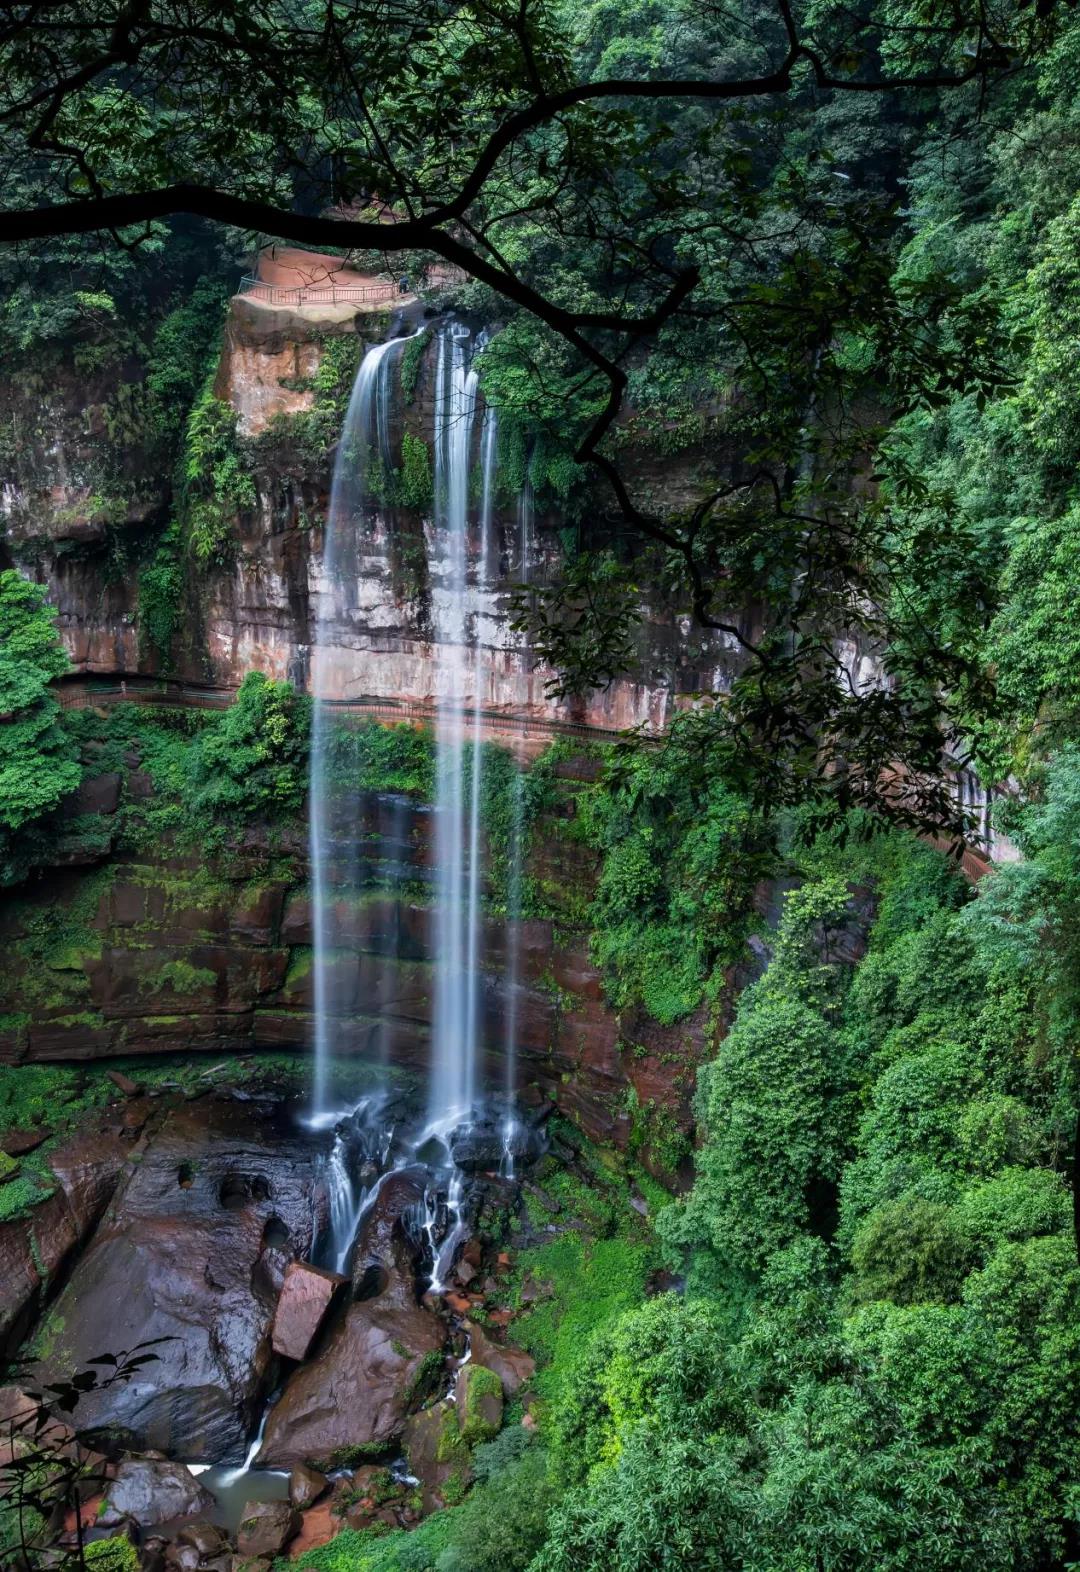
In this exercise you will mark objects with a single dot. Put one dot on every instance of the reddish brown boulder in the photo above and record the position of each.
(266, 1528)
(34, 1248)
(181, 1262)
(305, 1298)
(317, 1527)
(123, 1083)
(437, 1455)
(357, 1391)
(513, 1366)
(306, 1485)
(16, 1143)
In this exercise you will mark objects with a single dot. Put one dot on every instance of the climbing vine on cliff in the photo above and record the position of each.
(216, 482)
(38, 764)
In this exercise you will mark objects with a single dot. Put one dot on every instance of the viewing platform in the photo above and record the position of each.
(311, 281)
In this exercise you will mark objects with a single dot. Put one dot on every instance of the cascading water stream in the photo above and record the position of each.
(457, 1025)
(513, 970)
(525, 531)
(334, 844)
(488, 450)
(452, 1083)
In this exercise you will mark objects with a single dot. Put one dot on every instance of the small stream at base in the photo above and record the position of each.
(234, 1488)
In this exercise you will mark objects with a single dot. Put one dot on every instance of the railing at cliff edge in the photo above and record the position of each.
(983, 844)
(317, 294)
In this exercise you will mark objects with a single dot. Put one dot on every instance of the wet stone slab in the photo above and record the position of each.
(192, 1252)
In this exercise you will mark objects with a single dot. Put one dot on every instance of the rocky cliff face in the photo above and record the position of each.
(160, 953)
(171, 956)
(81, 486)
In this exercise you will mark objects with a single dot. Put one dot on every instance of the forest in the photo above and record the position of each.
(540, 786)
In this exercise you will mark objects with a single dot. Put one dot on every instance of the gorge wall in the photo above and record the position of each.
(257, 609)
(169, 955)
(170, 952)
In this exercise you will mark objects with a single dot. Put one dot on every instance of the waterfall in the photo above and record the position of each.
(525, 530)
(332, 815)
(452, 1085)
(457, 1030)
(488, 447)
(513, 970)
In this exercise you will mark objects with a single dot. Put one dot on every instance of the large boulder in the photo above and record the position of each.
(479, 1401)
(306, 1293)
(179, 1258)
(306, 1486)
(266, 1528)
(356, 1394)
(34, 1248)
(513, 1366)
(387, 1253)
(152, 1492)
(438, 1456)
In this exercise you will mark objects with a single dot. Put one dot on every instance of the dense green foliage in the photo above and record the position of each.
(38, 766)
(682, 850)
(730, 253)
(254, 765)
(876, 1361)
(859, 432)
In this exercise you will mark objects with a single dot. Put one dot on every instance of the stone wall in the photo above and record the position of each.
(259, 611)
(165, 953)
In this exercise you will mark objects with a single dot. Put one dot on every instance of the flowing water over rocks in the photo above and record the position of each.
(302, 1275)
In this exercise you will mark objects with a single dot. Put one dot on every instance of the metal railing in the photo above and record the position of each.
(324, 294)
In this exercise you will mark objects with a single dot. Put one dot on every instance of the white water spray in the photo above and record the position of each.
(452, 1083)
(334, 844)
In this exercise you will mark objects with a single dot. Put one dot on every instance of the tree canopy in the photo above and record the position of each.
(686, 219)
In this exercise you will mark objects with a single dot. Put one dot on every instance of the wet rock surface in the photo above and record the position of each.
(150, 1492)
(306, 1486)
(35, 1249)
(305, 1296)
(513, 1366)
(176, 1264)
(358, 1390)
(266, 1528)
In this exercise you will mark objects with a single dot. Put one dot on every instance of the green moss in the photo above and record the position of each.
(655, 1130)
(426, 1377)
(409, 365)
(9, 1167)
(179, 976)
(348, 1456)
(19, 1196)
(301, 960)
(111, 1555)
(414, 487)
(451, 1447)
(455, 1487)
(480, 1383)
(593, 1280)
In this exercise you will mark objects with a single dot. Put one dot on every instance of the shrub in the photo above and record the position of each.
(38, 767)
(254, 763)
(910, 1249)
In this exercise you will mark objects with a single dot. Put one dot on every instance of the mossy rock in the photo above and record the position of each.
(9, 1167)
(479, 1404)
(438, 1454)
(111, 1555)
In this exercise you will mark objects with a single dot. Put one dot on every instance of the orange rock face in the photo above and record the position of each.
(305, 1299)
